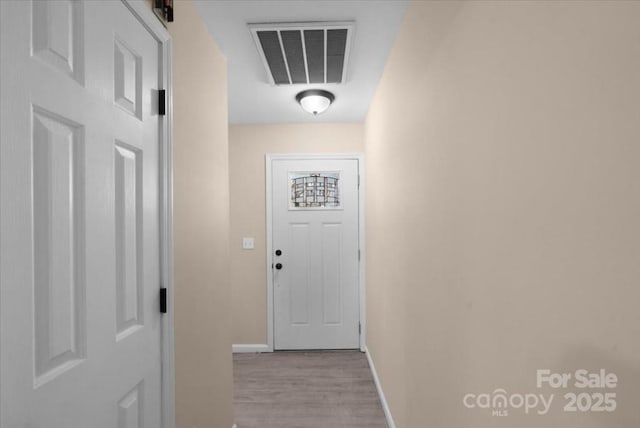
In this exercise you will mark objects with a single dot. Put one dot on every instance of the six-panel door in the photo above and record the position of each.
(80, 327)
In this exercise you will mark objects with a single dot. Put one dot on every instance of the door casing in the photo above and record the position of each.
(141, 10)
(269, 158)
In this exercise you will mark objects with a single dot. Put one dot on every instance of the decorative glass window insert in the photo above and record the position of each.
(311, 190)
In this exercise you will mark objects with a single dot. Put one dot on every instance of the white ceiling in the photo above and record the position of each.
(253, 100)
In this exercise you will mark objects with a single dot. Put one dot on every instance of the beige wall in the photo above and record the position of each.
(503, 208)
(248, 145)
(201, 226)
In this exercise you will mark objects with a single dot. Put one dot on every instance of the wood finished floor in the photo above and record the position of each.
(327, 389)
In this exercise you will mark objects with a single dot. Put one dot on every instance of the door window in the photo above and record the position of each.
(314, 190)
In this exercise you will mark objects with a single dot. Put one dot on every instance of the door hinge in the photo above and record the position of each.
(162, 102)
(169, 13)
(359, 328)
(358, 181)
(358, 255)
(163, 300)
(164, 9)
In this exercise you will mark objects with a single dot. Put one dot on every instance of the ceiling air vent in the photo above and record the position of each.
(304, 53)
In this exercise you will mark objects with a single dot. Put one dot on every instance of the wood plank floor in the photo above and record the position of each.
(327, 389)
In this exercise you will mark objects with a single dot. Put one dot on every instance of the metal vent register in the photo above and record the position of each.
(304, 53)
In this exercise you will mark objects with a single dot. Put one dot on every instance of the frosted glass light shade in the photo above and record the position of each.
(315, 101)
(315, 104)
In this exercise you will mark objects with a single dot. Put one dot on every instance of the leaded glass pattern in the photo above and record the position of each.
(315, 190)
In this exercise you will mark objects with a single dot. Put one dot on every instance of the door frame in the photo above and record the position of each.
(142, 11)
(269, 158)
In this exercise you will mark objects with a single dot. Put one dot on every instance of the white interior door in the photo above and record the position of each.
(80, 325)
(315, 253)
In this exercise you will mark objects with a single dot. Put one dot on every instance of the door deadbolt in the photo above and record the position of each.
(278, 252)
(278, 266)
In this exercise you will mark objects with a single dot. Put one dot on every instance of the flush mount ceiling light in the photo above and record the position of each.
(315, 101)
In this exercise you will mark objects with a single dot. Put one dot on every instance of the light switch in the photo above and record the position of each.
(247, 243)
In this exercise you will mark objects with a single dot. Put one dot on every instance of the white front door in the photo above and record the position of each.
(315, 253)
(80, 219)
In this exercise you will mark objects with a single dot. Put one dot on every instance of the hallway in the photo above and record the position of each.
(305, 390)
(488, 265)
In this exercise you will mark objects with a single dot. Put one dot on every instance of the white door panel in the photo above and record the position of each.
(79, 255)
(316, 276)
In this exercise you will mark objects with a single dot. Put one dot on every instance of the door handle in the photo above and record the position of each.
(278, 252)
(278, 266)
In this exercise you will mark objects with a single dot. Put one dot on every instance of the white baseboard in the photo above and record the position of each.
(383, 400)
(248, 348)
